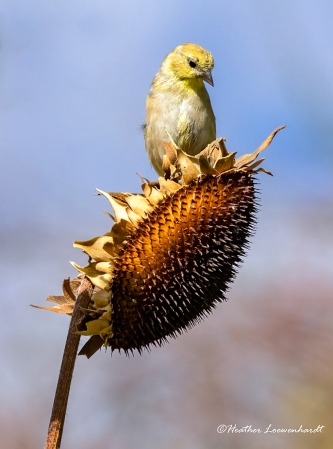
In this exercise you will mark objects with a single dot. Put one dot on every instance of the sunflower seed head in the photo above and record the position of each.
(172, 251)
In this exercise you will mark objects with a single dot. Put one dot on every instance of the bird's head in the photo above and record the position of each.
(190, 61)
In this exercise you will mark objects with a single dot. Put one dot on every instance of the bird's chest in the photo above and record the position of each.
(194, 122)
(191, 116)
(188, 117)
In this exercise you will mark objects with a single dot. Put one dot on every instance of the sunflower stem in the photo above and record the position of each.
(58, 414)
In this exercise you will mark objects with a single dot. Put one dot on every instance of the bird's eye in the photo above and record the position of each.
(192, 64)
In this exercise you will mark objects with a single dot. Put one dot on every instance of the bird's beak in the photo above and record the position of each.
(207, 76)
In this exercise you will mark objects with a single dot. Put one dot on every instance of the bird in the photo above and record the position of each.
(178, 104)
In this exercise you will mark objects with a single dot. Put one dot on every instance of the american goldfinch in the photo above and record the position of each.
(178, 103)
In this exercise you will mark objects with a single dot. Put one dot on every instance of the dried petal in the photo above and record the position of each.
(172, 142)
(168, 187)
(101, 298)
(194, 160)
(98, 278)
(121, 196)
(95, 247)
(263, 170)
(64, 308)
(119, 232)
(107, 331)
(105, 267)
(225, 163)
(251, 167)
(153, 195)
(248, 158)
(119, 207)
(58, 300)
(166, 163)
(133, 217)
(205, 167)
(95, 327)
(170, 152)
(222, 146)
(139, 205)
(70, 289)
(188, 169)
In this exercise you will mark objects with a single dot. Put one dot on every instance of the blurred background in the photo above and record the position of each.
(73, 79)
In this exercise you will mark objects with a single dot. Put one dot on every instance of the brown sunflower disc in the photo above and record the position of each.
(178, 263)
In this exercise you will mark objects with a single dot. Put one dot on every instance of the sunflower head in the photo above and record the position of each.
(172, 252)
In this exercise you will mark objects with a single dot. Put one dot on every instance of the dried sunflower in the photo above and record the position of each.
(172, 251)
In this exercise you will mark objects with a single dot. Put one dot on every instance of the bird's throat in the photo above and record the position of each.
(191, 84)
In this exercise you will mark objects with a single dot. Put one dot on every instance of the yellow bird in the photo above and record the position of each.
(178, 103)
